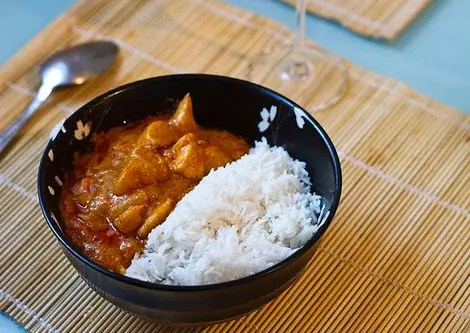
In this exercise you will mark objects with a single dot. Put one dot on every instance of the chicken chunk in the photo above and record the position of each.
(84, 190)
(143, 167)
(130, 220)
(157, 217)
(84, 186)
(188, 158)
(120, 204)
(159, 134)
(94, 214)
(183, 118)
(214, 157)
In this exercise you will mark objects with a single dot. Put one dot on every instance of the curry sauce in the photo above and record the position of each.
(133, 179)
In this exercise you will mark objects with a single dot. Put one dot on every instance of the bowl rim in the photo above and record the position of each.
(68, 245)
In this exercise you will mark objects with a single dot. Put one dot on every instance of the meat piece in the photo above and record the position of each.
(157, 217)
(143, 167)
(188, 158)
(130, 220)
(183, 118)
(214, 157)
(94, 216)
(159, 134)
(85, 185)
(120, 204)
(233, 146)
(84, 191)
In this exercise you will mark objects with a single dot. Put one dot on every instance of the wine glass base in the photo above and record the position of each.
(297, 70)
(310, 76)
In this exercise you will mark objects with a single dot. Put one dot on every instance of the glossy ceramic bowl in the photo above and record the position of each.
(219, 102)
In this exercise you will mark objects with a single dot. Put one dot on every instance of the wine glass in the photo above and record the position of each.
(294, 68)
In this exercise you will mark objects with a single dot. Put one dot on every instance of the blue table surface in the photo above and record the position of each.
(432, 55)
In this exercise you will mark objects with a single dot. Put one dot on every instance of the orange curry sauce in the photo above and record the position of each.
(133, 179)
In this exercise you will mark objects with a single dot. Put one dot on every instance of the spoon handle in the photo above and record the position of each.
(9, 133)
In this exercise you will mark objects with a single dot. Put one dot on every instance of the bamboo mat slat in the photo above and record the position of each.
(396, 257)
(381, 19)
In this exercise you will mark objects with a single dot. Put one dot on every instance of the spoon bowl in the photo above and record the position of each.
(66, 68)
(76, 65)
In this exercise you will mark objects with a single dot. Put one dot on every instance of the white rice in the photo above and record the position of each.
(239, 220)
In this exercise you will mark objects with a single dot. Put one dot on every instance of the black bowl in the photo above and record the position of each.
(219, 102)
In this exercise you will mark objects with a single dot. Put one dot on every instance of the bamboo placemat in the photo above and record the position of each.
(382, 19)
(396, 257)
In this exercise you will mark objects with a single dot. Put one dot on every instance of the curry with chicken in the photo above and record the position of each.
(134, 177)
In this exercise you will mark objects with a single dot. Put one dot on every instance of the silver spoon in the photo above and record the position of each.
(70, 67)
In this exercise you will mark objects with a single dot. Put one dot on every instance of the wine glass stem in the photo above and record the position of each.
(300, 13)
